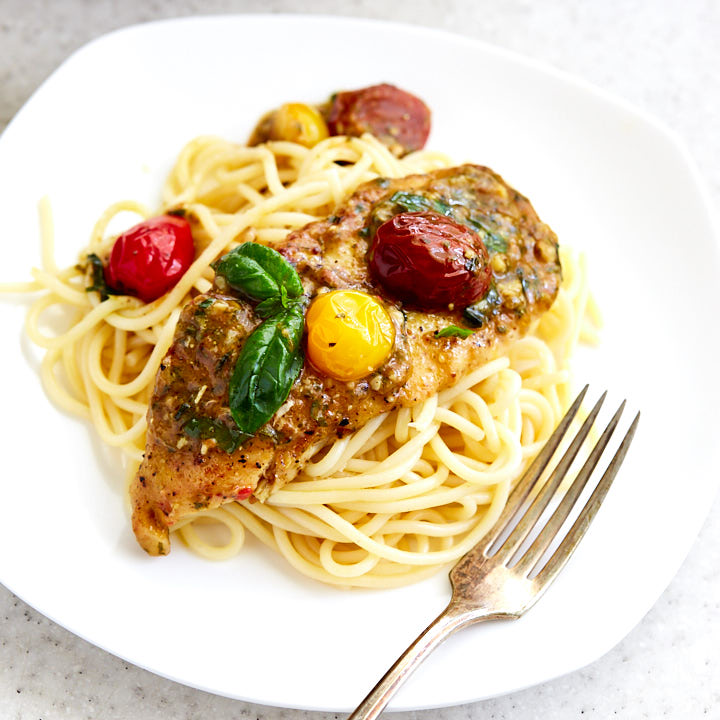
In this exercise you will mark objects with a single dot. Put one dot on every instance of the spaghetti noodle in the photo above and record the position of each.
(412, 490)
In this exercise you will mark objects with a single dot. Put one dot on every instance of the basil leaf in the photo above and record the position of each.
(493, 242)
(411, 202)
(274, 305)
(268, 308)
(259, 272)
(97, 278)
(453, 331)
(228, 439)
(479, 313)
(266, 369)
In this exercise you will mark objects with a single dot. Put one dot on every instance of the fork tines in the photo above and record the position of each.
(510, 549)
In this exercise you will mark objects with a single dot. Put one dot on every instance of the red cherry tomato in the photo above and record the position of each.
(397, 118)
(430, 261)
(148, 259)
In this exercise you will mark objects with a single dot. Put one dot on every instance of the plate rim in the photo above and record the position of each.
(531, 64)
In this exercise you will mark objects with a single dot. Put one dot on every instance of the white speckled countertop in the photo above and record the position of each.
(662, 55)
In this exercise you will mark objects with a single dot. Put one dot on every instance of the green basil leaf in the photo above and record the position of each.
(274, 305)
(480, 312)
(266, 369)
(453, 331)
(259, 272)
(228, 439)
(410, 202)
(97, 278)
(284, 299)
(268, 308)
(493, 242)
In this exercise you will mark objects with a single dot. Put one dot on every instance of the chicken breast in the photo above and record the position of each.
(195, 456)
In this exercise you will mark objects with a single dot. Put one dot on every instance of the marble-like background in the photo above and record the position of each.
(664, 56)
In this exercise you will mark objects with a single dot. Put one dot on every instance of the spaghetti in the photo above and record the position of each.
(412, 490)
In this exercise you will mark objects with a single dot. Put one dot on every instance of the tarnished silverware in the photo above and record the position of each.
(501, 578)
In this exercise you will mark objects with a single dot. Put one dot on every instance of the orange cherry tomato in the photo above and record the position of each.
(349, 334)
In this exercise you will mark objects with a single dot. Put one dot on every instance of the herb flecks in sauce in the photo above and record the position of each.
(208, 340)
(510, 290)
(227, 438)
(453, 331)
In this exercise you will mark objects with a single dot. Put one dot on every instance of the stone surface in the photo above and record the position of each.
(664, 56)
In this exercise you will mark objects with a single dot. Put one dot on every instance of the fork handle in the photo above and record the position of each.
(450, 620)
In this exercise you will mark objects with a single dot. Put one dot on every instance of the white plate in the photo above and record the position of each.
(108, 124)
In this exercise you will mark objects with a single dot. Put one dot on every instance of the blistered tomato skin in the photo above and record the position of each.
(294, 122)
(349, 334)
(397, 118)
(148, 260)
(430, 261)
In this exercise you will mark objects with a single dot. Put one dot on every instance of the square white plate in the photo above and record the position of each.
(108, 124)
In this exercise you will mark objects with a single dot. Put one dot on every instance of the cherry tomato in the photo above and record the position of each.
(349, 334)
(148, 259)
(430, 261)
(295, 122)
(398, 119)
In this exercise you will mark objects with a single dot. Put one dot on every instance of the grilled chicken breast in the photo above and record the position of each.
(182, 473)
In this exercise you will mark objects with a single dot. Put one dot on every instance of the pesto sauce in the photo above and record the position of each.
(227, 438)
(462, 207)
(457, 205)
(480, 312)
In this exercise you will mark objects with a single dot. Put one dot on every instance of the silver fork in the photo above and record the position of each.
(499, 577)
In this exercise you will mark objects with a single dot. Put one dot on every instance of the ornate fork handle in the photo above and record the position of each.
(454, 617)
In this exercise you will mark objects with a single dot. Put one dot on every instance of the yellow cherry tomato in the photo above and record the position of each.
(298, 123)
(349, 334)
